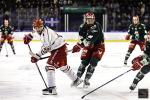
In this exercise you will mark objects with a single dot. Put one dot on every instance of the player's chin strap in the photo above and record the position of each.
(106, 83)
(49, 56)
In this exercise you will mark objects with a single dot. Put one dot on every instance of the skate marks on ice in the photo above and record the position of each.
(102, 94)
(115, 66)
(106, 93)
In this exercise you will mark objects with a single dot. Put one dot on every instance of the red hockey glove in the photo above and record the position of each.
(34, 60)
(27, 38)
(127, 37)
(35, 57)
(137, 63)
(76, 48)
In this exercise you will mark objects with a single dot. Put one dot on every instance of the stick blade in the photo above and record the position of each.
(82, 97)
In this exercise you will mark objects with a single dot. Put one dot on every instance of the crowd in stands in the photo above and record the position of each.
(119, 12)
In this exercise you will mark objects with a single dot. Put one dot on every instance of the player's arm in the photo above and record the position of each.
(1, 30)
(146, 33)
(144, 29)
(44, 49)
(10, 31)
(77, 47)
(127, 37)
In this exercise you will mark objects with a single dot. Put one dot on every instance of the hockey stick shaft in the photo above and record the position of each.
(38, 69)
(106, 83)
(49, 56)
(6, 49)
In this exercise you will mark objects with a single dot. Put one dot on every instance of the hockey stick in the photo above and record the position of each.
(105, 83)
(49, 56)
(38, 69)
(6, 50)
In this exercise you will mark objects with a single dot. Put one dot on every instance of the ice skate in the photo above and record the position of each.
(125, 64)
(77, 82)
(86, 84)
(49, 91)
(133, 86)
(14, 53)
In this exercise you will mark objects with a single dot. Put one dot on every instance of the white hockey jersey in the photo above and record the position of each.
(51, 41)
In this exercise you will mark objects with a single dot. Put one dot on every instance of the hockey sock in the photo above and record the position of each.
(128, 55)
(66, 69)
(12, 47)
(138, 77)
(81, 70)
(1, 45)
(89, 72)
(51, 78)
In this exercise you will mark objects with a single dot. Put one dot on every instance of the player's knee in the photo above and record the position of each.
(85, 62)
(65, 69)
(10, 42)
(130, 50)
(49, 67)
(140, 76)
(131, 46)
(145, 69)
(94, 61)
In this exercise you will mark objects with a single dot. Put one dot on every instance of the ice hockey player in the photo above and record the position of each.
(141, 62)
(137, 31)
(53, 43)
(6, 34)
(92, 43)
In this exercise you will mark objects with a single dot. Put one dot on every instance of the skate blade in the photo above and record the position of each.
(47, 93)
(77, 84)
(85, 86)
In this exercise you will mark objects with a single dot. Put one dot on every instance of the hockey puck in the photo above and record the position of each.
(6, 55)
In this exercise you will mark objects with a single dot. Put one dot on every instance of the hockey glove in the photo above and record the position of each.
(147, 37)
(127, 37)
(35, 57)
(27, 38)
(76, 48)
(137, 63)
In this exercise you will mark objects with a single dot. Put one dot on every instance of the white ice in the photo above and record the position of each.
(20, 79)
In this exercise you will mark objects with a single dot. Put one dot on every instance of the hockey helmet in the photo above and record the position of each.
(89, 17)
(38, 25)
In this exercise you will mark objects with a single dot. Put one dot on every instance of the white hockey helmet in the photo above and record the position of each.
(89, 17)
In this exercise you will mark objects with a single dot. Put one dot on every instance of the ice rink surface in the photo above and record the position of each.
(20, 79)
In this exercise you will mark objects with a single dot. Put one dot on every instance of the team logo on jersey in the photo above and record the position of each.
(90, 36)
(93, 27)
(140, 28)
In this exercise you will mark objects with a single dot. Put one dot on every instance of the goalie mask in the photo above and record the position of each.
(135, 20)
(38, 25)
(89, 18)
